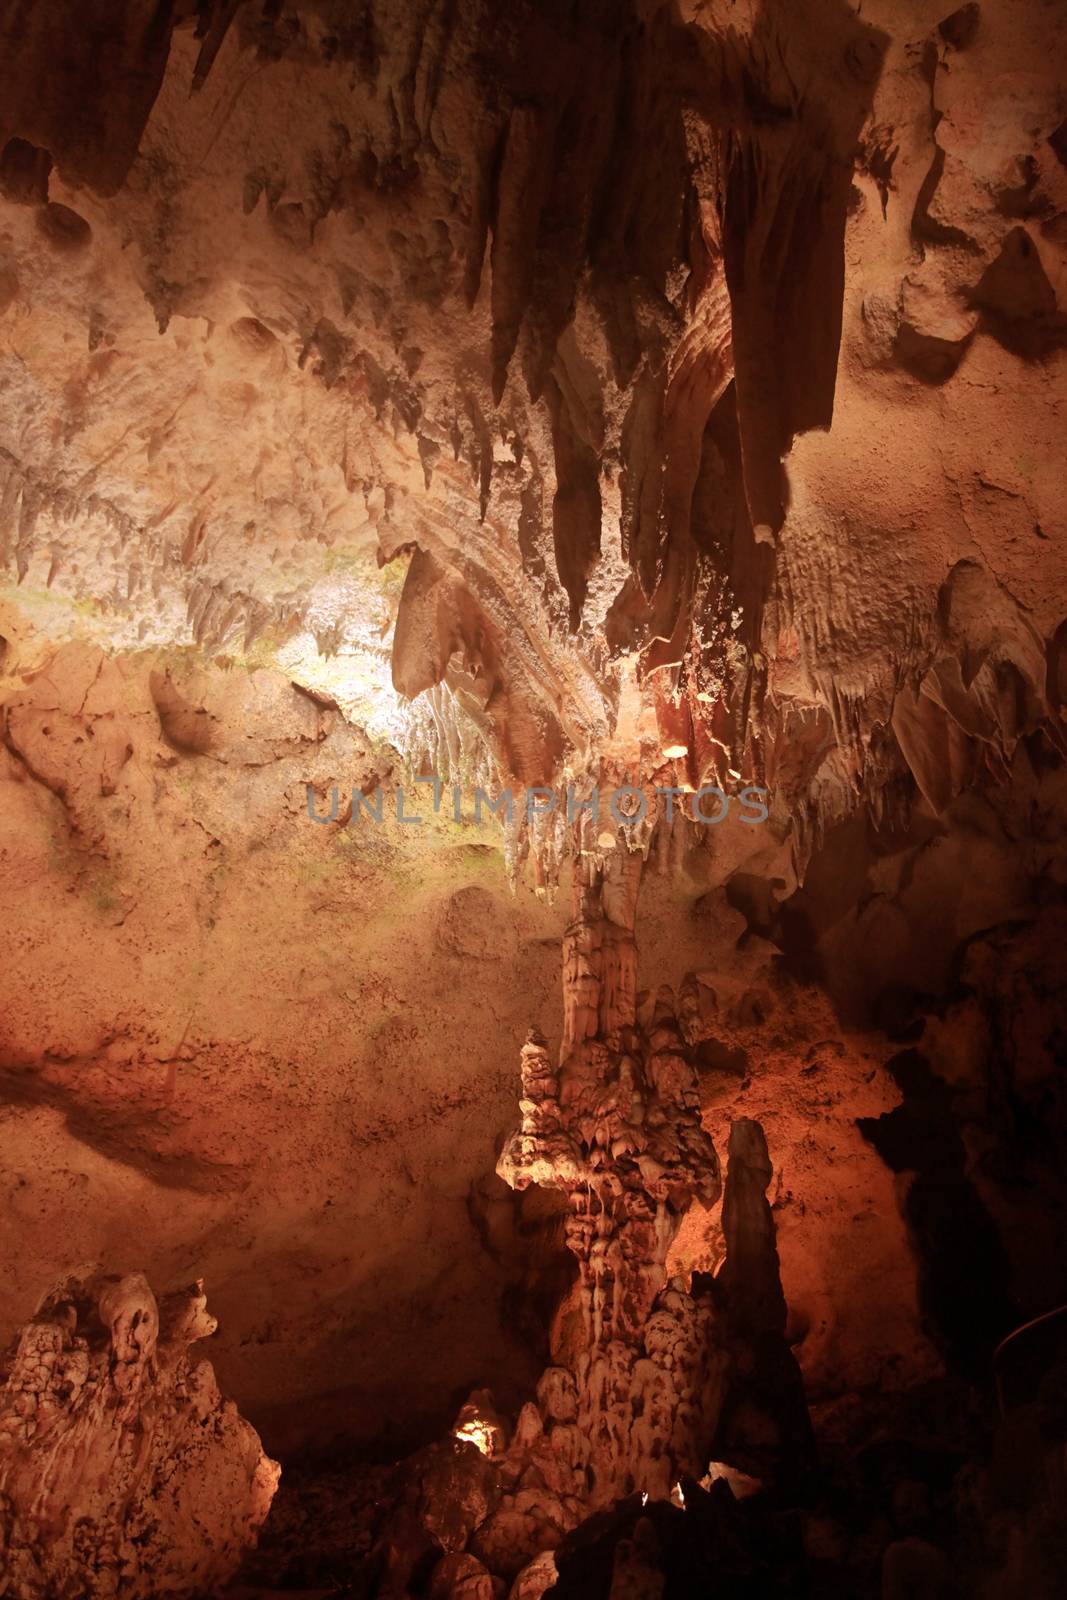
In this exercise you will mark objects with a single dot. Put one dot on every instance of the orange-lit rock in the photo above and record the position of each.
(453, 396)
(123, 1471)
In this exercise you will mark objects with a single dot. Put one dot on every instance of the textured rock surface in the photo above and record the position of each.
(123, 1471)
(670, 393)
(618, 1129)
(195, 973)
(256, 340)
(637, 1405)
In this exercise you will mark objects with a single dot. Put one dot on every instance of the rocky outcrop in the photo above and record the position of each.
(123, 1471)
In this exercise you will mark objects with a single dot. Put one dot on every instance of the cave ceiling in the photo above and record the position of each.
(616, 381)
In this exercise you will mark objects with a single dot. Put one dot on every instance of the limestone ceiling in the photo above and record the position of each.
(453, 344)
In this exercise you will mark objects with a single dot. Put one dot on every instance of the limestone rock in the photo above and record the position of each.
(123, 1471)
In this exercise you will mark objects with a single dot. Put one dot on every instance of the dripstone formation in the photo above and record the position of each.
(637, 1408)
(123, 1470)
(617, 1128)
(548, 397)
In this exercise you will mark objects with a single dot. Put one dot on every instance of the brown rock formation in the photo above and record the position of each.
(576, 430)
(523, 392)
(618, 1129)
(123, 1471)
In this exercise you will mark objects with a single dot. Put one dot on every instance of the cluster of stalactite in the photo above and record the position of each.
(611, 243)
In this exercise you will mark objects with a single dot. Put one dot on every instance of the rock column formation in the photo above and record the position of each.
(764, 1426)
(617, 1128)
(123, 1471)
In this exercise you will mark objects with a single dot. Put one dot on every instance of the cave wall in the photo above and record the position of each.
(243, 1028)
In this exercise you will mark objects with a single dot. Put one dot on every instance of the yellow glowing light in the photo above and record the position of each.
(478, 1434)
(672, 752)
(677, 1497)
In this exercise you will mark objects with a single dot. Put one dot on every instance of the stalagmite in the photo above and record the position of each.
(123, 1471)
(637, 1405)
(765, 1428)
(617, 1127)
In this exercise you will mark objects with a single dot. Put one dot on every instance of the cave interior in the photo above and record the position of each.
(533, 799)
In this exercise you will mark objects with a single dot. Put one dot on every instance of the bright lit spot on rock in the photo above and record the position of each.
(740, 1483)
(477, 1433)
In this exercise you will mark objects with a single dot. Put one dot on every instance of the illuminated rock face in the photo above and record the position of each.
(618, 1129)
(123, 1471)
(556, 306)
(527, 390)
